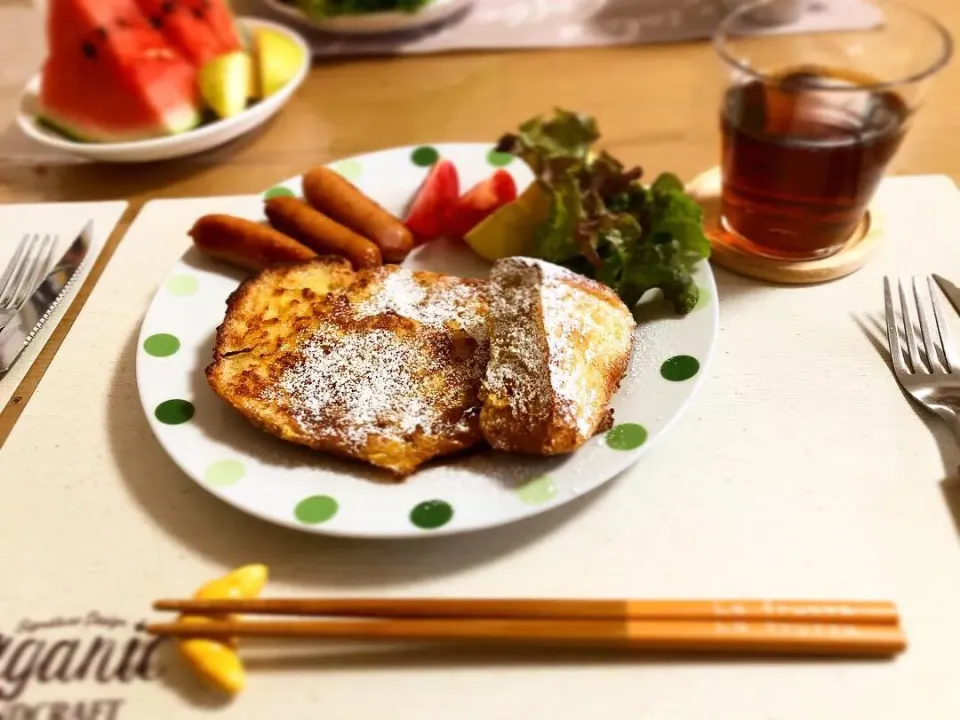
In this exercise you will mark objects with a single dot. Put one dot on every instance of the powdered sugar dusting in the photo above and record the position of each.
(447, 300)
(581, 332)
(396, 358)
(372, 383)
(516, 370)
(571, 337)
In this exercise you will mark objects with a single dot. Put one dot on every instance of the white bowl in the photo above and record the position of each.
(202, 138)
(380, 23)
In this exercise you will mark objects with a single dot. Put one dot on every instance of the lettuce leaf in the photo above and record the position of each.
(550, 146)
(326, 8)
(604, 223)
(556, 238)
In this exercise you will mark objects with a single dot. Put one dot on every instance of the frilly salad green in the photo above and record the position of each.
(603, 222)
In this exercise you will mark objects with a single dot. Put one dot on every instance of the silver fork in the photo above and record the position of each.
(930, 373)
(26, 270)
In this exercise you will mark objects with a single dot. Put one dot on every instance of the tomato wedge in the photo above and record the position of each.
(429, 210)
(480, 201)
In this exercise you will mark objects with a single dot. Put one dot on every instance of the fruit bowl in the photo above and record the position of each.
(374, 23)
(204, 137)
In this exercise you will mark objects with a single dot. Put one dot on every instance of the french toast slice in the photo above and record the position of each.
(275, 304)
(381, 365)
(560, 344)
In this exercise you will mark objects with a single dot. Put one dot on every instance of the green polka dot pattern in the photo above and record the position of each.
(182, 285)
(424, 156)
(499, 159)
(174, 412)
(431, 514)
(316, 509)
(537, 491)
(627, 436)
(161, 345)
(352, 170)
(680, 368)
(224, 473)
(278, 191)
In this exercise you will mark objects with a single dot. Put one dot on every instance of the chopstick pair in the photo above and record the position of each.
(798, 627)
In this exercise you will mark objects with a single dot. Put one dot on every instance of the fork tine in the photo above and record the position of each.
(15, 261)
(893, 334)
(40, 268)
(929, 342)
(909, 333)
(24, 270)
(949, 352)
(33, 258)
(47, 260)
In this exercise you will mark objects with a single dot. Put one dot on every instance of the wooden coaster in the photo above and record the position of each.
(728, 251)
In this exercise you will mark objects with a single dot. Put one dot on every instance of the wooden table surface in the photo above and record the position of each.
(656, 106)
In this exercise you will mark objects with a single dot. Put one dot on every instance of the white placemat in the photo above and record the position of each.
(800, 471)
(518, 24)
(65, 220)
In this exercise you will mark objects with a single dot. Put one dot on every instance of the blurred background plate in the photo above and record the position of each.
(373, 23)
(199, 139)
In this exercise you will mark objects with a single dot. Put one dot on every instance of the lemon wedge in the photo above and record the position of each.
(225, 83)
(511, 230)
(277, 59)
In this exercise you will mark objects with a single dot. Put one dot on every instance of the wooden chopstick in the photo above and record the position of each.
(791, 638)
(845, 611)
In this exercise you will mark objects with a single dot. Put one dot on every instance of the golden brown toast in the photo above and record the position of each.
(381, 365)
(272, 307)
(559, 347)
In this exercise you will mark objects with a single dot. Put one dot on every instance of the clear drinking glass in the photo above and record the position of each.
(809, 122)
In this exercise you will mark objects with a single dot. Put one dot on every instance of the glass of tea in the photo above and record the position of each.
(810, 121)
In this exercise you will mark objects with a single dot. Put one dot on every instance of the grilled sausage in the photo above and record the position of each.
(295, 218)
(333, 195)
(246, 244)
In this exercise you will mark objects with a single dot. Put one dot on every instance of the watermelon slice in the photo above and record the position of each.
(110, 77)
(105, 102)
(199, 29)
(216, 13)
(101, 26)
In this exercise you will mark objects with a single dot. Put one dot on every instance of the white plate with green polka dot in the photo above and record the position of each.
(317, 493)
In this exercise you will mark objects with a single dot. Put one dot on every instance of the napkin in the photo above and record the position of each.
(65, 220)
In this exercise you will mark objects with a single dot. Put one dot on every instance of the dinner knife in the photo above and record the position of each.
(24, 326)
(950, 290)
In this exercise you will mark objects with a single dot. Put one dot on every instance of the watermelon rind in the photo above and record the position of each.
(173, 123)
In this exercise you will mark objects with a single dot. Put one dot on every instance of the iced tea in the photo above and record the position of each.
(803, 153)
